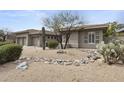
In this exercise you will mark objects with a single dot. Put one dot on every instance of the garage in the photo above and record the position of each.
(21, 41)
(35, 41)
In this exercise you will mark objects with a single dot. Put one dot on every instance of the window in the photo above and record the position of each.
(85, 38)
(97, 37)
(91, 37)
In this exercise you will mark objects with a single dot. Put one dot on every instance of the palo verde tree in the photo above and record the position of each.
(111, 31)
(63, 20)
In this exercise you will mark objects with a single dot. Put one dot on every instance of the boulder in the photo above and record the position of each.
(77, 63)
(17, 61)
(61, 62)
(22, 66)
(22, 58)
(61, 52)
(28, 58)
(68, 63)
(84, 61)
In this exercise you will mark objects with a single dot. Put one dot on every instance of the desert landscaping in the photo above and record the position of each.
(41, 68)
(64, 50)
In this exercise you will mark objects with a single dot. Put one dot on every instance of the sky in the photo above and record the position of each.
(18, 20)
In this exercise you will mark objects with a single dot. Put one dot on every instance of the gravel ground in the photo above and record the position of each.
(41, 72)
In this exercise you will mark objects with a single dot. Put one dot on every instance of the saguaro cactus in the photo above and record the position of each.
(43, 37)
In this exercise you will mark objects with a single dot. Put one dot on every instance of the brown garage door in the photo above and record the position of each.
(21, 40)
(35, 41)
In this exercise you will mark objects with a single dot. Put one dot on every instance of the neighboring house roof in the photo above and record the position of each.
(85, 27)
(34, 31)
(120, 30)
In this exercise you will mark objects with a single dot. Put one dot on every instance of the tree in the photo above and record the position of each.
(62, 24)
(111, 30)
(3, 34)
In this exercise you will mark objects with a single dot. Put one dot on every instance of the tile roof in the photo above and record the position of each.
(34, 31)
(96, 26)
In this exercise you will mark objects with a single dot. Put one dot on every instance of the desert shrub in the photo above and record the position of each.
(9, 52)
(52, 44)
(4, 43)
(111, 52)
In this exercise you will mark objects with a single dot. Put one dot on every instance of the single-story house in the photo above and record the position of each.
(33, 37)
(86, 36)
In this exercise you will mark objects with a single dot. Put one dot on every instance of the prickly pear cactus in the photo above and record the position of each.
(111, 52)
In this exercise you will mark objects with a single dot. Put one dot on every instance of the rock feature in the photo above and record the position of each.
(22, 66)
(76, 63)
(61, 52)
(93, 55)
(22, 62)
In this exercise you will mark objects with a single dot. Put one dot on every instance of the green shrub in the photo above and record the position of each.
(4, 43)
(52, 44)
(9, 52)
(111, 52)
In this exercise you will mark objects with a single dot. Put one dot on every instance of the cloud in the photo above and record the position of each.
(22, 13)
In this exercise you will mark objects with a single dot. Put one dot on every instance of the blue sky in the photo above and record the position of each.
(17, 20)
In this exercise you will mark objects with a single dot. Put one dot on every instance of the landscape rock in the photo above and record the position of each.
(76, 64)
(22, 66)
(28, 58)
(24, 61)
(22, 58)
(17, 61)
(61, 52)
(78, 61)
(61, 62)
(92, 60)
(84, 61)
(46, 62)
(93, 55)
(68, 63)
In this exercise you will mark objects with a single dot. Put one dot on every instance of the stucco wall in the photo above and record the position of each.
(120, 37)
(77, 39)
(73, 40)
(82, 35)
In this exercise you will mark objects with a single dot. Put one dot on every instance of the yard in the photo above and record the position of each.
(41, 72)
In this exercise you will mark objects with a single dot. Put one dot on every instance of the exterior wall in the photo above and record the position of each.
(120, 36)
(83, 41)
(79, 39)
(73, 40)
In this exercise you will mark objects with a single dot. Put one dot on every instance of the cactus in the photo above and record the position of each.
(111, 52)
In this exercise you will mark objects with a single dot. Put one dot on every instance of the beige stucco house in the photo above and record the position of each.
(86, 36)
(33, 37)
